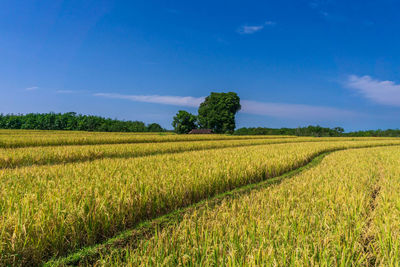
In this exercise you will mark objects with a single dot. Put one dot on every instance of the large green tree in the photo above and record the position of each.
(218, 111)
(184, 122)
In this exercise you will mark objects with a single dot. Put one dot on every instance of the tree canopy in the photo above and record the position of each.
(184, 122)
(218, 111)
(72, 121)
(155, 127)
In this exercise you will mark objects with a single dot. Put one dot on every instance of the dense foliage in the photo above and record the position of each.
(218, 111)
(300, 131)
(316, 131)
(73, 121)
(376, 133)
(184, 122)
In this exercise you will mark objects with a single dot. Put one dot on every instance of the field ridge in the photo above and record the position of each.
(146, 228)
(368, 239)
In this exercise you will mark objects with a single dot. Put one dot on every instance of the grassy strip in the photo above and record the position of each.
(147, 228)
(384, 230)
(317, 218)
(53, 210)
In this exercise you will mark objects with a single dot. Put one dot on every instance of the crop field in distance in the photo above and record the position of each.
(161, 199)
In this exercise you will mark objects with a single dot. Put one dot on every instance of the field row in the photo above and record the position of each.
(21, 132)
(52, 210)
(33, 139)
(21, 139)
(18, 157)
(343, 212)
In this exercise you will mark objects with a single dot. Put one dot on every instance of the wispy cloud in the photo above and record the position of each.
(73, 92)
(183, 101)
(322, 7)
(278, 110)
(32, 88)
(294, 111)
(382, 92)
(250, 29)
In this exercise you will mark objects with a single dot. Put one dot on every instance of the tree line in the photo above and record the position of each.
(73, 121)
(218, 111)
(316, 131)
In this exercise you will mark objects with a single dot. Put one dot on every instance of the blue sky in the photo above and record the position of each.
(293, 63)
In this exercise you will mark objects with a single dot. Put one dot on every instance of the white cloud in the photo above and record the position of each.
(31, 88)
(246, 29)
(183, 101)
(278, 110)
(382, 92)
(250, 29)
(294, 111)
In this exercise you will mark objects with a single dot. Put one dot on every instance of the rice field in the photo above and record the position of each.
(329, 215)
(29, 138)
(98, 198)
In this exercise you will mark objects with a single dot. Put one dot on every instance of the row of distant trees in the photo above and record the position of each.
(316, 131)
(300, 131)
(217, 113)
(73, 121)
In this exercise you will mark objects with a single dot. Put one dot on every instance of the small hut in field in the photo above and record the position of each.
(201, 131)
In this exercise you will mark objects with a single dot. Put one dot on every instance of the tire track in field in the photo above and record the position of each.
(146, 229)
(368, 239)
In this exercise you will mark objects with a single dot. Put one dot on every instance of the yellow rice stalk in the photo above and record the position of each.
(317, 218)
(18, 157)
(51, 210)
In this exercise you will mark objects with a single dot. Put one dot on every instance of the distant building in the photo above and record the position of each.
(201, 131)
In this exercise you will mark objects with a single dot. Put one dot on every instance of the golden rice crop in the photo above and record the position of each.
(58, 138)
(317, 218)
(384, 234)
(50, 210)
(14, 157)
(17, 157)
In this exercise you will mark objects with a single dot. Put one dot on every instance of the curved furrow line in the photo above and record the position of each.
(146, 229)
(22, 157)
(56, 210)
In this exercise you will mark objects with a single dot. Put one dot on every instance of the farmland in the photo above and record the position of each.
(154, 199)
